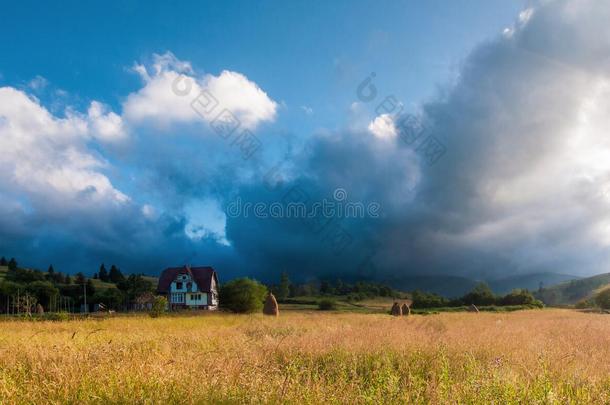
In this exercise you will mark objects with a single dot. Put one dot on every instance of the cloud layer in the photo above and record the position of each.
(232, 90)
(523, 187)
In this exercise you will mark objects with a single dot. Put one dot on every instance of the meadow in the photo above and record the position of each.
(538, 356)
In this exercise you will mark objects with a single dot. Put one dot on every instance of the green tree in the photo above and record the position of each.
(44, 292)
(3, 261)
(12, 264)
(134, 286)
(481, 294)
(79, 278)
(110, 297)
(284, 288)
(115, 275)
(519, 297)
(90, 288)
(159, 306)
(103, 273)
(428, 300)
(9, 288)
(327, 304)
(602, 299)
(25, 275)
(243, 295)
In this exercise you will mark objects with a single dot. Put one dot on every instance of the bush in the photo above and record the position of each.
(480, 295)
(110, 297)
(518, 297)
(55, 316)
(243, 295)
(602, 299)
(584, 303)
(327, 304)
(356, 297)
(428, 300)
(159, 306)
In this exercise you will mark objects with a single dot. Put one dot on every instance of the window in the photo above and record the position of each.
(178, 286)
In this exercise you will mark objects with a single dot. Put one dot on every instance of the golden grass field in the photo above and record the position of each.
(540, 356)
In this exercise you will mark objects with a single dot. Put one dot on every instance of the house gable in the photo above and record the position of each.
(190, 286)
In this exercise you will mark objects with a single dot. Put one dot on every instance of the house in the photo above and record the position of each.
(189, 287)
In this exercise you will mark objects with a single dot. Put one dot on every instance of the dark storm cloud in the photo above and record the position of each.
(518, 190)
(524, 185)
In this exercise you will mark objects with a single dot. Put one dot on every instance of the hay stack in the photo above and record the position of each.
(271, 307)
(473, 308)
(396, 311)
(406, 310)
(39, 309)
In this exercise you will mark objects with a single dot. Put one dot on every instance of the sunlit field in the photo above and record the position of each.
(539, 356)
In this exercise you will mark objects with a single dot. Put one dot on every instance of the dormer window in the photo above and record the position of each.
(179, 285)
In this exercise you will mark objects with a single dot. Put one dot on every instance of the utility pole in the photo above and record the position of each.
(85, 290)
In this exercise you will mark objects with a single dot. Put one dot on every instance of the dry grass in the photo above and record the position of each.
(547, 356)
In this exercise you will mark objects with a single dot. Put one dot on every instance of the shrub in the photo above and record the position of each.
(356, 297)
(584, 303)
(327, 304)
(243, 295)
(518, 297)
(112, 298)
(480, 295)
(56, 316)
(159, 306)
(427, 300)
(602, 299)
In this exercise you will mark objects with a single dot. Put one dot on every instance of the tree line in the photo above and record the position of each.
(481, 295)
(357, 291)
(56, 291)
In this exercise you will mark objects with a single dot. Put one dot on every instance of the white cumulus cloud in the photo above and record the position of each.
(171, 86)
(383, 127)
(106, 125)
(46, 157)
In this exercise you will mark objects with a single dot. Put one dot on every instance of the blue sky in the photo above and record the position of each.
(301, 53)
(103, 161)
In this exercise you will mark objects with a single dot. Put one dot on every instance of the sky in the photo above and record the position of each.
(135, 133)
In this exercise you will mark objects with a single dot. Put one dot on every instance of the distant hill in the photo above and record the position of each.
(570, 292)
(445, 285)
(154, 280)
(101, 285)
(455, 286)
(529, 281)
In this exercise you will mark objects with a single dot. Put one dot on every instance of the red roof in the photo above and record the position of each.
(202, 276)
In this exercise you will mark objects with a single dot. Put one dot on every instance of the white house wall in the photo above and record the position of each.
(174, 288)
(191, 302)
(186, 296)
